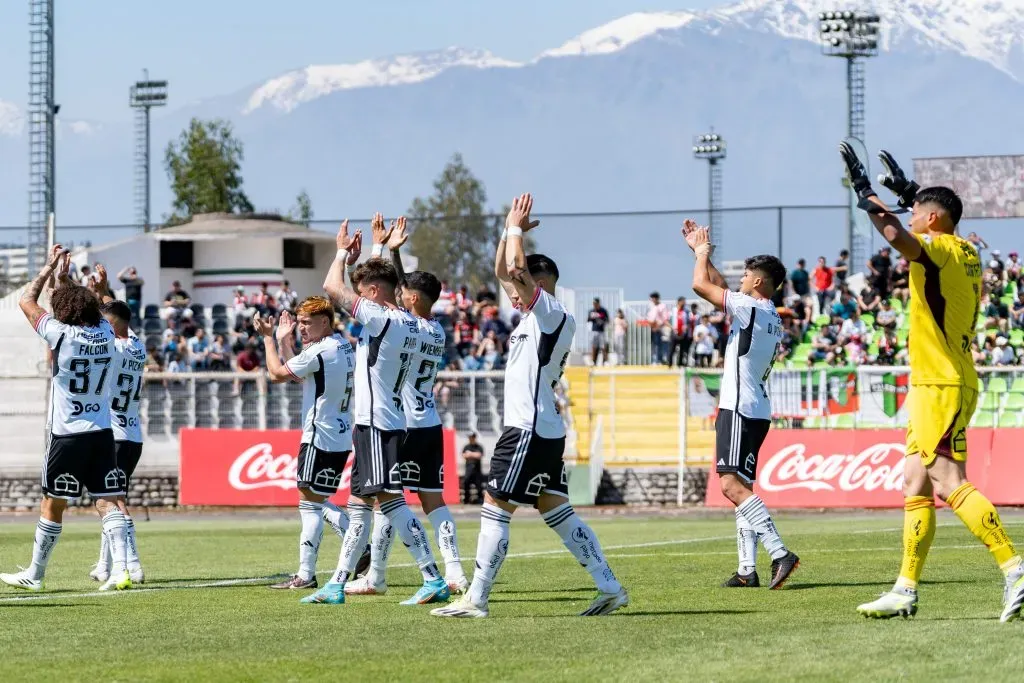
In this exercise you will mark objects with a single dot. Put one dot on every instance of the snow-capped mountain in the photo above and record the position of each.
(295, 87)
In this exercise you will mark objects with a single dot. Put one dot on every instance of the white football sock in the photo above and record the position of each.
(444, 534)
(335, 518)
(309, 540)
(757, 515)
(47, 535)
(117, 535)
(746, 545)
(582, 542)
(354, 543)
(491, 548)
(133, 549)
(103, 564)
(380, 548)
(413, 536)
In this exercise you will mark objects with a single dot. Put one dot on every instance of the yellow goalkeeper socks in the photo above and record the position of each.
(980, 516)
(918, 532)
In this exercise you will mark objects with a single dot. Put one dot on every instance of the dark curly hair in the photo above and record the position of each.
(75, 305)
(425, 283)
(770, 266)
(375, 271)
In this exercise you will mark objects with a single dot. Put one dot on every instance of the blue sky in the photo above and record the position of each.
(210, 47)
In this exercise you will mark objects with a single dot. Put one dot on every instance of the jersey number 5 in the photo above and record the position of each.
(768, 370)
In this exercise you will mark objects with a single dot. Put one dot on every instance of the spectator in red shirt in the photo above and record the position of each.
(446, 292)
(248, 360)
(463, 301)
(824, 277)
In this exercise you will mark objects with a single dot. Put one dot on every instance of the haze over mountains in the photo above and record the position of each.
(603, 122)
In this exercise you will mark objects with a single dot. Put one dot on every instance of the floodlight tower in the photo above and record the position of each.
(854, 37)
(143, 96)
(711, 146)
(42, 113)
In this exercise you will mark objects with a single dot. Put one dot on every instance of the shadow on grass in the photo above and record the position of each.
(26, 603)
(859, 584)
(644, 613)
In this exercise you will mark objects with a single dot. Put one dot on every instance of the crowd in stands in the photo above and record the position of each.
(826, 323)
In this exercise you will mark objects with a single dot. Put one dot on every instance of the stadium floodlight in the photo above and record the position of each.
(143, 96)
(854, 36)
(711, 148)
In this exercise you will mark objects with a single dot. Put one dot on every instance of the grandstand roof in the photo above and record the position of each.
(224, 226)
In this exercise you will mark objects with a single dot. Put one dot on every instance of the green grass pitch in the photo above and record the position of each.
(204, 615)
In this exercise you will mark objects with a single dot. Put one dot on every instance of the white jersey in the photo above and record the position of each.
(538, 350)
(387, 342)
(80, 391)
(754, 339)
(129, 362)
(418, 392)
(327, 371)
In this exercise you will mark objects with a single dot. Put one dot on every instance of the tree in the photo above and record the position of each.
(204, 166)
(302, 212)
(453, 236)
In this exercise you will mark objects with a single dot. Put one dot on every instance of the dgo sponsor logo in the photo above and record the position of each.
(879, 466)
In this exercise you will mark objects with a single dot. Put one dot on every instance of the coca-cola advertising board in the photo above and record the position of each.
(863, 468)
(249, 467)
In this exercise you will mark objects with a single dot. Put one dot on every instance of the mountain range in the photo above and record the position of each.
(604, 122)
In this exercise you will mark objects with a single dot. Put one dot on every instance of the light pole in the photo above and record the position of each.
(143, 96)
(711, 147)
(854, 37)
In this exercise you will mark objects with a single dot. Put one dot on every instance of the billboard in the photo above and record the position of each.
(991, 187)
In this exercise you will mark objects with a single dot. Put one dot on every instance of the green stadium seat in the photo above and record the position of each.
(989, 401)
(822, 320)
(1018, 386)
(1016, 338)
(812, 423)
(868, 319)
(844, 421)
(1009, 420)
(1014, 401)
(997, 385)
(896, 304)
(1007, 299)
(984, 418)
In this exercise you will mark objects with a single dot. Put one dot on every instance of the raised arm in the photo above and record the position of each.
(349, 248)
(286, 336)
(399, 236)
(100, 285)
(29, 302)
(516, 223)
(882, 217)
(708, 283)
(276, 370)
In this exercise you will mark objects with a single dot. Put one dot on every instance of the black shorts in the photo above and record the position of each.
(525, 465)
(422, 459)
(376, 467)
(738, 441)
(320, 471)
(81, 461)
(127, 455)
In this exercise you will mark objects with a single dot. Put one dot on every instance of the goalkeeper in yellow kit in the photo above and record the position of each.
(945, 285)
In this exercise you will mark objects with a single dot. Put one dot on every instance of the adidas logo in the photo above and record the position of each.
(721, 462)
(493, 482)
(368, 483)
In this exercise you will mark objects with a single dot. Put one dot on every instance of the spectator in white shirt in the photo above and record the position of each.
(286, 297)
(1004, 354)
(703, 343)
(657, 318)
(853, 327)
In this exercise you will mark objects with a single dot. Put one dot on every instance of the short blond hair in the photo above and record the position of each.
(316, 305)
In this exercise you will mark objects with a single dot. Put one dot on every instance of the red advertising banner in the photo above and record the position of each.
(250, 467)
(863, 468)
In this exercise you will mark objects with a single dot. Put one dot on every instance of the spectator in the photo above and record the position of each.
(220, 354)
(286, 297)
(1004, 353)
(823, 346)
(248, 360)
(179, 362)
(263, 302)
(198, 351)
(823, 280)
(86, 276)
(487, 354)
(854, 327)
(683, 322)
(869, 301)
(1018, 310)
(129, 277)
(845, 307)
(597, 317)
(886, 317)
(466, 335)
(901, 281)
(473, 455)
(657, 319)
(979, 244)
(802, 317)
(1013, 268)
(463, 301)
(703, 343)
(154, 362)
(800, 279)
(720, 331)
(494, 323)
(996, 313)
(842, 268)
(888, 347)
(997, 262)
(240, 305)
(981, 354)
(879, 269)
(992, 279)
(446, 292)
(176, 302)
(621, 328)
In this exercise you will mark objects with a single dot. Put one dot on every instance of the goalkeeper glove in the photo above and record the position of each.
(895, 180)
(855, 172)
